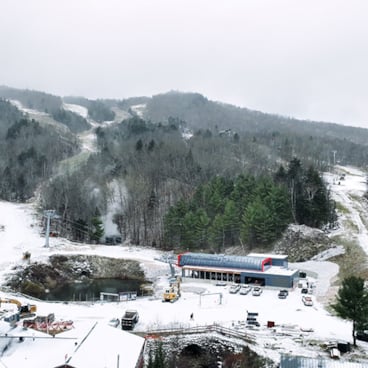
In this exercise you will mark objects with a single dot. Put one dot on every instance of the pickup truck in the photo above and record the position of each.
(129, 320)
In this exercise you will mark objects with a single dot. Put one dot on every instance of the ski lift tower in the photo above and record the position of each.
(170, 259)
(49, 214)
(334, 158)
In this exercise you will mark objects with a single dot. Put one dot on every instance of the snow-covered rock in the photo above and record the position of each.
(302, 243)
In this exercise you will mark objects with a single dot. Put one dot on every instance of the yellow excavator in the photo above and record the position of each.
(172, 293)
(25, 310)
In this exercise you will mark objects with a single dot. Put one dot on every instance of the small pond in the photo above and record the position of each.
(90, 290)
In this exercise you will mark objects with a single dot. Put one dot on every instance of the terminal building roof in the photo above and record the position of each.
(256, 263)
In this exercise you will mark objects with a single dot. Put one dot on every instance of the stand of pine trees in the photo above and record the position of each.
(250, 210)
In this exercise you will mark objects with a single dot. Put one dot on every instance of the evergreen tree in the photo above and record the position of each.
(317, 199)
(214, 195)
(217, 233)
(201, 227)
(150, 360)
(231, 223)
(97, 230)
(159, 358)
(265, 219)
(280, 176)
(352, 302)
(151, 145)
(243, 191)
(309, 198)
(250, 220)
(279, 209)
(174, 224)
(188, 239)
(139, 145)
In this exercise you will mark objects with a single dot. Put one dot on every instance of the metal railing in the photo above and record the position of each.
(226, 331)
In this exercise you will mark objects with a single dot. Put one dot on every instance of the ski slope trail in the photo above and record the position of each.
(348, 186)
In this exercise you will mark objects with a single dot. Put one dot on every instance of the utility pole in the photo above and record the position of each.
(49, 214)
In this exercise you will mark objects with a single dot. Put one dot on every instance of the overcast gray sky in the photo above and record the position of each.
(300, 58)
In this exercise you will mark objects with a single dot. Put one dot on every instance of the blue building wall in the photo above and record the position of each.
(280, 262)
(272, 280)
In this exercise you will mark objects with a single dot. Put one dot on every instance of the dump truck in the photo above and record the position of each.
(129, 320)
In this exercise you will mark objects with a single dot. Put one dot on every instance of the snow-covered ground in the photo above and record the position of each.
(297, 327)
(26, 110)
(347, 186)
(139, 109)
(77, 109)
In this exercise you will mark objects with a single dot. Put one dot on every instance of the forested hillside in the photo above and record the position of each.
(249, 210)
(305, 139)
(36, 100)
(48, 104)
(193, 193)
(29, 152)
(97, 110)
(191, 173)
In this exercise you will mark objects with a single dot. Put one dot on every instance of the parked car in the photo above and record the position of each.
(283, 294)
(245, 289)
(257, 291)
(307, 300)
(234, 289)
(114, 322)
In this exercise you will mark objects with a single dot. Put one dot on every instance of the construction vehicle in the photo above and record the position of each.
(172, 293)
(24, 310)
(129, 320)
